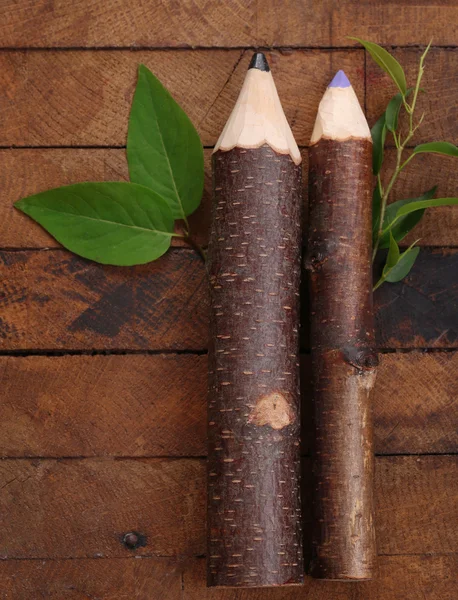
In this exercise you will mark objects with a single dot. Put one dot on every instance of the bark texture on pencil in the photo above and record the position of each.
(254, 511)
(342, 333)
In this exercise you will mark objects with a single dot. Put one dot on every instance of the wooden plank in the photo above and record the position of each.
(408, 315)
(399, 577)
(52, 300)
(117, 405)
(111, 579)
(431, 577)
(56, 300)
(29, 171)
(129, 24)
(232, 23)
(83, 508)
(401, 23)
(413, 392)
(83, 98)
(156, 405)
(438, 103)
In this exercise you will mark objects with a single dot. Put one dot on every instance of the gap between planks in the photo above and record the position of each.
(193, 352)
(188, 48)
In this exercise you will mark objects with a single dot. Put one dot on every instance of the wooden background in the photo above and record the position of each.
(103, 369)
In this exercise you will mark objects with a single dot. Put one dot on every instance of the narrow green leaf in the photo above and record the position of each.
(422, 204)
(392, 113)
(378, 133)
(114, 223)
(403, 266)
(387, 62)
(164, 150)
(446, 148)
(393, 255)
(400, 225)
(376, 207)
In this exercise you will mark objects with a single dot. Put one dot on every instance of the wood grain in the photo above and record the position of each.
(52, 300)
(119, 23)
(406, 577)
(123, 23)
(83, 98)
(399, 578)
(111, 579)
(156, 405)
(440, 82)
(83, 508)
(56, 300)
(117, 405)
(408, 314)
(29, 171)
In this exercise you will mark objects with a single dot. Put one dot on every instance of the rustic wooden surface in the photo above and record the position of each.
(103, 370)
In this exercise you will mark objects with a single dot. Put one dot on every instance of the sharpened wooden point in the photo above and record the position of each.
(257, 117)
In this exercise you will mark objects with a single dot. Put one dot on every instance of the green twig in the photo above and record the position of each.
(400, 146)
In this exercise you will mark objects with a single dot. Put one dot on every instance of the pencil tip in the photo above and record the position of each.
(340, 80)
(259, 61)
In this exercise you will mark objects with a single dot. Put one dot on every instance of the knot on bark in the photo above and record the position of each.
(363, 359)
(272, 409)
(314, 260)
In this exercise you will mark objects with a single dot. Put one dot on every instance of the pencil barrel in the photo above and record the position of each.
(254, 509)
(343, 357)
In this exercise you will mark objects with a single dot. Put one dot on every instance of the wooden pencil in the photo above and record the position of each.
(342, 333)
(254, 510)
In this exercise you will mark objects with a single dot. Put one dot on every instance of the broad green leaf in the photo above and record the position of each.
(376, 207)
(403, 266)
(378, 133)
(392, 112)
(446, 148)
(114, 223)
(393, 255)
(164, 150)
(387, 62)
(400, 225)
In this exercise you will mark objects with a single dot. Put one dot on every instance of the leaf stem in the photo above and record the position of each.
(197, 247)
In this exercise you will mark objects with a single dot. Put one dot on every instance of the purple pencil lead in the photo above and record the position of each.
(340, 80)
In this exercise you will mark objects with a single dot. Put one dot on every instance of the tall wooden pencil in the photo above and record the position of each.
(342, 333)
(254, 516)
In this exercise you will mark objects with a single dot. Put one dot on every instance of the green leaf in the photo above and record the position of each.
(114, 223)
(386, 62)
(403, 266)
(400, 225)
(397, 265)
(445, 148)
(378, 133)
(164, 150)
(392, 113)
(376, 208)
(393, 255)
(422, 204)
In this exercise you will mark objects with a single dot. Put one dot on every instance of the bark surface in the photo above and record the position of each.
(254, 511)
(343, 357)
